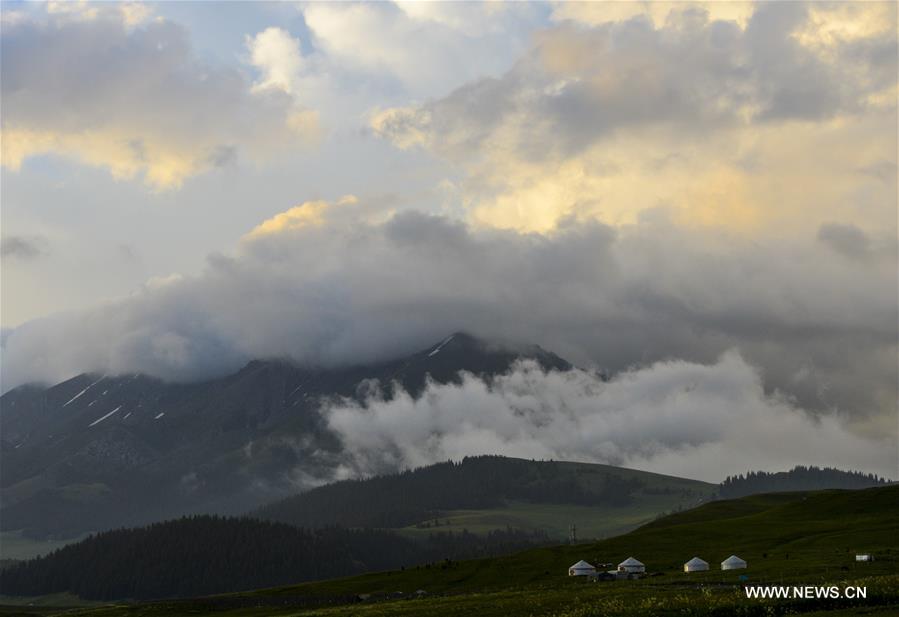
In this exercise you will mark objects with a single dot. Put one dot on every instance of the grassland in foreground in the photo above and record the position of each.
(790, 539)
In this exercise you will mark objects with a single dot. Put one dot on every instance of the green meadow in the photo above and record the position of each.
(789, 538)
(658, 493)
(592, 522)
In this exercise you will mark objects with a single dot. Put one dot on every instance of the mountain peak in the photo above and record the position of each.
(484, 356)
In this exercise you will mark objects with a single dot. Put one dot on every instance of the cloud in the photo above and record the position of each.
(422, 49)
(578, 85)
(346, 291)
(131, 13)
(726, 115)
(307, 213)
(657, 12)
(681, 418)
(23, 248)
(847, 240)
(277, 55)
(113, 89)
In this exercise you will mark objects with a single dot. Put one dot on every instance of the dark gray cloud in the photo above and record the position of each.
(848, 240)
(23, 248)
(821, 328)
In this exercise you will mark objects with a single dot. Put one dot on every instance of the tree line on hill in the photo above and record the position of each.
(406, 498)
(203, 555)
(800, 478)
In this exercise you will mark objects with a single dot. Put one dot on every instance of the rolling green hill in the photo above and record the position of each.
(485, 493)
(787, 538)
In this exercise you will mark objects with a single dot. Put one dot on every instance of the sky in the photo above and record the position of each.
(639, 187)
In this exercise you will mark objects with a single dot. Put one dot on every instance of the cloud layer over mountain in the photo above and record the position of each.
(327, 289)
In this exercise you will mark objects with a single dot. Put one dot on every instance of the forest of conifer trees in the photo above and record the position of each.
(405, 498)
(800, 478)
(210, 554)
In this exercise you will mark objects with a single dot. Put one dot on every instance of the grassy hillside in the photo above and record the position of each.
(484, 493)
(789, 538)
(592, 522)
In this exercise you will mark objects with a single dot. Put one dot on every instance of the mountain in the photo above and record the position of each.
(488, 492)
(97, 452)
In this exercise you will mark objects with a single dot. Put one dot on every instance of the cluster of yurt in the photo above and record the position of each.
(633, 568)
(629, 568)
(700, 565)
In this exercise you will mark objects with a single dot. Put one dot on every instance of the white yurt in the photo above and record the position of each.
(581, 568)
(631, 565)
(696, 565)
(733, 563)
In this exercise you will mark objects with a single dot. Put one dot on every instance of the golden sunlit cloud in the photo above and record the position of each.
(172, 118)
(125, 157)
(830, 24)
(161, 164)
(783, 177)
(698, 120)
(310, 213)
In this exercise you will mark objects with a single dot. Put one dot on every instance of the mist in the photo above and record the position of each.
(702, 421)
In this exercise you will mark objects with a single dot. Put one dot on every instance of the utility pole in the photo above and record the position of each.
(572, 534)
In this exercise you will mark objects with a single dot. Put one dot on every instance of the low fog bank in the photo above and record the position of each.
(679, 418)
